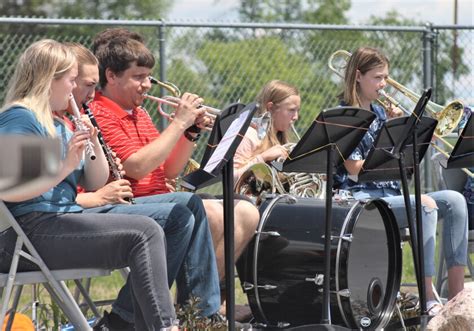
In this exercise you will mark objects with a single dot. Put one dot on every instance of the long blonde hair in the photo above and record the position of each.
(30, 85)
(363, 59)
(274, 91)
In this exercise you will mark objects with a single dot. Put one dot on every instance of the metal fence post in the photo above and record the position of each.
(428, 39)
(162, 123)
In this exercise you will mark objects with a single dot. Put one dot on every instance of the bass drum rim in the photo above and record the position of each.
(394, 264)
(261, 224)
(341, 302)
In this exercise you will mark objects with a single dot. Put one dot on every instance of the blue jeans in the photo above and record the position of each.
(397, 203)
(190, 253)
(453, 210)
(78, 240)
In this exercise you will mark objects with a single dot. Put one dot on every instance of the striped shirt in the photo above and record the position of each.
(125, 134)
(342, 180)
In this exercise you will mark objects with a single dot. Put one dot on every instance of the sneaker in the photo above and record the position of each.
(112, 322)
(433, 308)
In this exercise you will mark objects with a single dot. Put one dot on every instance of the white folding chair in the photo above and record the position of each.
(52, 280)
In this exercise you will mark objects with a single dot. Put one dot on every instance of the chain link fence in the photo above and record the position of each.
(226, 63)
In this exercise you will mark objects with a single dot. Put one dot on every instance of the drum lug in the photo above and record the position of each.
(343, 293)
(269, 233)
(347, 237)
(249, 286)
(246, 286)
(279, 325)
(267, 287)
(318, 279)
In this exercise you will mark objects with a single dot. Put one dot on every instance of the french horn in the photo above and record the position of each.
(261, 179)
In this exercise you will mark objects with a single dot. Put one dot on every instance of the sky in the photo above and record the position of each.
(438, 12)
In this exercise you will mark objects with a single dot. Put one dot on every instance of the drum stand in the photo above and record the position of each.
(339, 129)
(389, 153)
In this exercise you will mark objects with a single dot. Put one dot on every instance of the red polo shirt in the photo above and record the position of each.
(125, 134)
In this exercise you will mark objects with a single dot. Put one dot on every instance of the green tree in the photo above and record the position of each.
(447, 60)
(25, 8)
(113, 9)
(99, 9)
(307, 11)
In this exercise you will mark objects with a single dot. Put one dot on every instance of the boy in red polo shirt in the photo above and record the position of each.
(181, 215)
(150, 157)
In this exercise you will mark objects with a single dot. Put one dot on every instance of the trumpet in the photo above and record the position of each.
(80, 126)
(173, 99)
(173, 102)
(448, 116)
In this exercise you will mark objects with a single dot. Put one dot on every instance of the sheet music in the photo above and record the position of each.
(226, 142)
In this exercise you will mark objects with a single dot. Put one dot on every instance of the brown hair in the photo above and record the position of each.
(363, 59)
(104, 37)
(119, 54)
(84, 55)
(274, 91)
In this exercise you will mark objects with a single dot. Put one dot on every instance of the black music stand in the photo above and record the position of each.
(326, 144)
(462, 155)
(396, 138)
(217, 162)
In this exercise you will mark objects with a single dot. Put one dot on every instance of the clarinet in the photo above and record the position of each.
(107, 150)
(80, 126)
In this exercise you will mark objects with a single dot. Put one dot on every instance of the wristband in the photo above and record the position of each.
(192, 139)
(193, 129)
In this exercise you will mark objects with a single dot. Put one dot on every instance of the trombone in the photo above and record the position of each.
(446, 154)
(448, 117)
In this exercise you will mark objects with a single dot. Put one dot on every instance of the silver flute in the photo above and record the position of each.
(81, 127)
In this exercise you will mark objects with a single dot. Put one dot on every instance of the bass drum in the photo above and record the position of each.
(282, 270)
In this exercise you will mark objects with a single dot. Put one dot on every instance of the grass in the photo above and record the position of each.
(103, 289)
(107, 288)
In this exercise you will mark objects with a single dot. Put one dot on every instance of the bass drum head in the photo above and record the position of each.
(369, 267)
(279, 270)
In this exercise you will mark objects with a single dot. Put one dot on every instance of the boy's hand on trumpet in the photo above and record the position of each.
(188, 110)
(204, 121)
